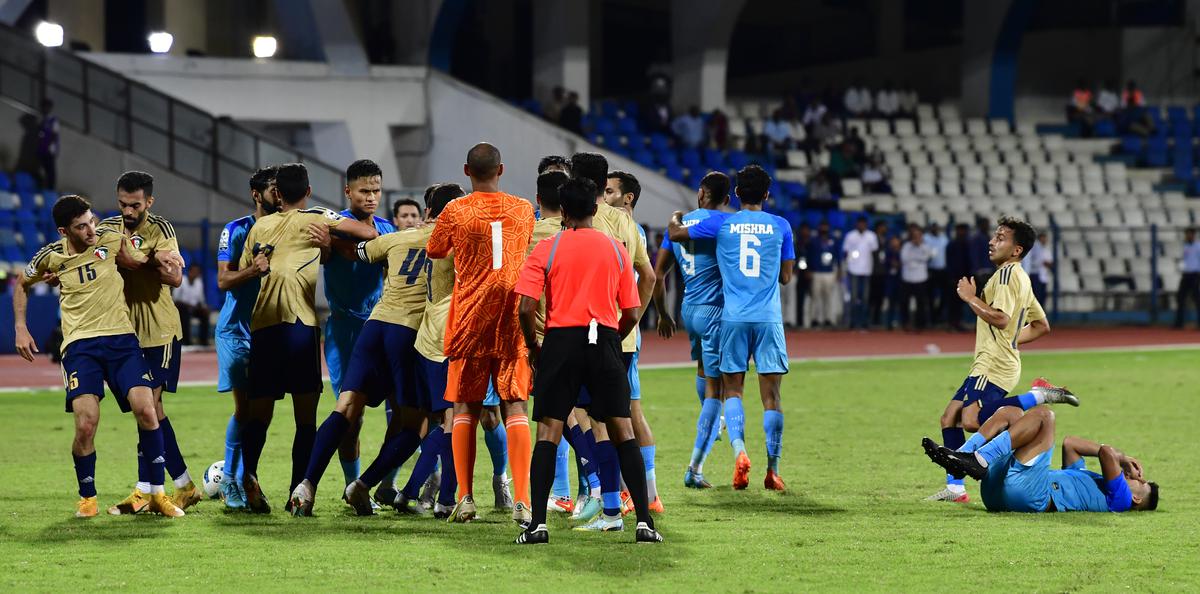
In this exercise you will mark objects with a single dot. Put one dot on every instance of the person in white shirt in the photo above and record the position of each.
(1189, 282)
(189, 299)
(936, 240)
(1108, 101)
(814, 113)
(777, 138)
(1036, 264)
(914, 278)
(859, 248)
(858, 101)
(887, 101)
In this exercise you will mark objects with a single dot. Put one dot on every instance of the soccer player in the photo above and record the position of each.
(155, 317)
(352, 288)
(431, 369)
(488, 232)
(406, 214)
(285, 356)
(1012, 464)
(587, 278)
(233, 326)
(755, 255)
(554, 163)
(1008, 316)
(700, 313)
(99, 345)
(618, 225)
(622, 191)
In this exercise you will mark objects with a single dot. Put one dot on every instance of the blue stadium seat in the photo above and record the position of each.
(9, 201)
(588, 123)
(1177, 114)
(714, 160)
(599, 140)
(1156, 152)
(1105, 129)
(659, 142)
(690, 158)
(1132, 145)
(674, 172)
(631, 109)
(794, 189)
(637, 140)
(627, 126)
(6, 184)
(644, 158)
(609, 108)
(737, 159)
(24, 182)
(606, 126)
(667, 157)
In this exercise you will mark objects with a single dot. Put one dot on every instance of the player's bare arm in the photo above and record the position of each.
(353, 229)
(785, 271)
(675, 229)
(528, 316)
(1033, 331)
(645, 283)
(1113, 461)
(628, 321)
(319, 236)
(992, 316)
(662, 266)
(26, 346)
(229, 277)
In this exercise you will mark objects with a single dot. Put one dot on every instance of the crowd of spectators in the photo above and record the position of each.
(1109, 110)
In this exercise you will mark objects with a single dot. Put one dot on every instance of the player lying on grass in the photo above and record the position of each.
(1011, 459)
(1008, 317)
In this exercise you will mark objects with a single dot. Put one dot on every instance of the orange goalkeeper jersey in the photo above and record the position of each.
(488, 233)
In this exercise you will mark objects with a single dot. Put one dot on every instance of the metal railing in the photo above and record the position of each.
(212, 151)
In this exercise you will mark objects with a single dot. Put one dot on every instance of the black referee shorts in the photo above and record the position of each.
(569, 363)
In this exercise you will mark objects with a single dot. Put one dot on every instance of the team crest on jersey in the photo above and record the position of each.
(223, 245)
(101, 252)
(137, 241)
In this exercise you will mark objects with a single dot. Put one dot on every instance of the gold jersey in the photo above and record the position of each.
(405, 284)
(617, 224)
(151, 308)
(287, 294)
(543, 229)
(431, 336)
(997, 354)
(90, 286)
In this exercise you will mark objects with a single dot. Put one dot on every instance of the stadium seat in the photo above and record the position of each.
(23, 182)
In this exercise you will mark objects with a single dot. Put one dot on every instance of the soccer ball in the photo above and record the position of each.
(212, 479)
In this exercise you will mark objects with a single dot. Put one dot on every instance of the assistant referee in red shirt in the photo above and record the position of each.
(586, 276)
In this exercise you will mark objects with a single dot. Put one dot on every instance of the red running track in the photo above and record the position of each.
(201, 367)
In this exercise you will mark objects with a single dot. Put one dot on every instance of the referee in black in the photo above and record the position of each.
(586, 276)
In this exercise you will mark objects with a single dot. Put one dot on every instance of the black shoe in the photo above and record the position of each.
(646, 534)
(537, 535)
(955, 463)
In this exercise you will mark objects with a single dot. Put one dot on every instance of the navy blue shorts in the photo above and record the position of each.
(163, 362)
(978, 389)
(630, 361)
(431, 385)
(89, 363)
(285, 359)
(383, 364)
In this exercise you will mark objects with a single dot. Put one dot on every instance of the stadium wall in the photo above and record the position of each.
(461, 115)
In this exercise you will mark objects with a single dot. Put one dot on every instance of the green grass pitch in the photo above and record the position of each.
(852, 518)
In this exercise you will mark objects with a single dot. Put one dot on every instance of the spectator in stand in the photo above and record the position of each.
(891, 282)
(189, 300)
(777, 138)
(1079, 109)
(981, 264)
(718, 129)
(1132, 97)
(843, 164)
(804, 282)
(875, 175)
(859, 249)
(1189, 283)
(887, 101)
(915, 257)
(909, 100)
(819, 187)
(860, 145)
(879, 273)
(657, 117)
(819, 137)
(1108, 103)
(571, 115)
(689, 128)
(821, 256)
(937, 241)
(47, 150)
(857, 101)
(558, 100)
(958, 266)
(1040, 256)
(813, 113)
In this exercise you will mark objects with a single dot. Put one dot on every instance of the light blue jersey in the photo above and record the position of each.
(351, 286)
(1078, 489)
(751, 247)
(697, 260)
(234, 321)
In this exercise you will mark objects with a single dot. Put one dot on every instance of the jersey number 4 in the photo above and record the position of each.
(413, 265)
(748, 258)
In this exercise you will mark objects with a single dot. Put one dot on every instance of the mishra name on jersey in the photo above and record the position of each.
(754, 228)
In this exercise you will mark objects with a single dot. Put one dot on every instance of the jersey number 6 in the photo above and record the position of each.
(748, 259)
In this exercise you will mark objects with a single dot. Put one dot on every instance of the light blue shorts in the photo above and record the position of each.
(703, 324)
(635, 381)
(493, 397)
(233, 364)
(341, 332)
(1014, 486)
(763, 341)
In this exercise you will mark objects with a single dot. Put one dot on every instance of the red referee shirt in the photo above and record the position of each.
(590, 278)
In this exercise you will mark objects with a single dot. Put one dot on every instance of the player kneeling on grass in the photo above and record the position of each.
(1011, 459)
(99, 345)
(585, 276)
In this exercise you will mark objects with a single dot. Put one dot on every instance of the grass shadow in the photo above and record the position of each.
(104, 528)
